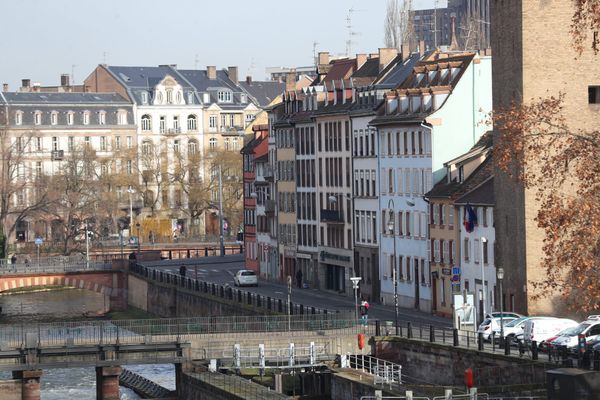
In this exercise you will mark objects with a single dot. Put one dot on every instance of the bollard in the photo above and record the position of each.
(377, 328)
(280, 305)
(507, 342)
(409, 395)
(597, 360)
(431, 334)
(455, 337)
(534, 350)
(206, 252)
(409, 330)
(447, 394)
(480, 341)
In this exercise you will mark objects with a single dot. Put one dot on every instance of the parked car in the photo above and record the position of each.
(589, 328)
(245, 277)
(490, 325)
(497, 314)
(540, 330)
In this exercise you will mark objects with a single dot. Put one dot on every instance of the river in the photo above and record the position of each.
(71, 304)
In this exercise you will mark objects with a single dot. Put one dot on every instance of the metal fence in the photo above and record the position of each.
(78, 333)
(238, 386)
(25, 269)
(385, 373)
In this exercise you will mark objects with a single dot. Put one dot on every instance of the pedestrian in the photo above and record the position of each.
(299, 278)
(182, 270)
(13, 259)
(364, 311)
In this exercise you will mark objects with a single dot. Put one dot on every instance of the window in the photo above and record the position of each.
(212, 143)
(594, 94)
(147, 147)
(231, 119)
(436, 251)
(102, 143)
(102, 118)
(117, 142)
(122, 117)
(37, 118)
(129, 142)
(71, 117)
(38, 169)
(212, 121)
(224, 96)
(146, 123)
(169, 96)
(192, 147)
(71, 143)
(190, 98)
(144, 98)
(87, 140)
(129, 166)
(19, 118)
(192, 123)
(53, 118)
(466, 249)
(38, 144)
(176, 123)
(86, 117)
(19, 144)
(176, 146)
(485, 252)
(163, 124)
(54, 143)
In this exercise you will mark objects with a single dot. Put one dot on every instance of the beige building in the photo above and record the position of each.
(534, 57)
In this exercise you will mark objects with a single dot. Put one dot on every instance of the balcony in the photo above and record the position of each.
(171, 131)
(232, 130)
(268, 173)
(332, 216)
(270, 206)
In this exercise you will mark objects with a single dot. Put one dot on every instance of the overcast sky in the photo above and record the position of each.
(43, 38)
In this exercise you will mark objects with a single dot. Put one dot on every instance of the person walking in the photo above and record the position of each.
(182, 270)
(299, 278)
(364, 311)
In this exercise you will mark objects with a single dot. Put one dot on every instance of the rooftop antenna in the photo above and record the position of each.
(435, 7)
(196, 61)
(73, 74)
(103, 57)
(251, 67)
(351, 32)
(315, 61)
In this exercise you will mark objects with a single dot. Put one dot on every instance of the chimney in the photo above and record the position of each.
(211, 72)
(5, 87)
(233, 75)
(361, 59)
(421, 47)
(405, 51)
(25, 85)
(323, 57)
(290, 81)
(249, 80)
(386, 55)
(36, 87)
(64, 80)
(453, 41)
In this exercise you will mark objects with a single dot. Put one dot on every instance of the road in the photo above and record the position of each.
(220, 270)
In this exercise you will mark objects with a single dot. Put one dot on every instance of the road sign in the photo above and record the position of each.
(455, 270)
(39, 241)
(455, 278)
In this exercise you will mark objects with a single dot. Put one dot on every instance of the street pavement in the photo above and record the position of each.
(220, 270)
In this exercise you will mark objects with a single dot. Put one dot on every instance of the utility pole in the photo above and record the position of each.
(221, 234)
(87, 245)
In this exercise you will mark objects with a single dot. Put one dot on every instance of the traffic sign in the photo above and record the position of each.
(455, 278)
(39, 241)
(455, 270)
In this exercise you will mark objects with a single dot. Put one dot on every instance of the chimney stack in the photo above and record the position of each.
(386, 55)
(421, 47)
(361, 59)
(249, 80)
(25, 85)
(64, 80)
(37, 87)
(323, 57)
(5, 87)
(405, 51)
(233, 75)
(211, 72)
(290, 81)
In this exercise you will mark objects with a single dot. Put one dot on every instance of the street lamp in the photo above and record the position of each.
(391, 229)
(355, 281)
(87, 246)
(131, 192)
(221, 233)
(500, 276)
(483, 241)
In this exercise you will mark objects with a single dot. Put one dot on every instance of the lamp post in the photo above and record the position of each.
(483, 240)
(391, 229)
(221, 233)
(87, 246)
(500, 276)
(355, 281)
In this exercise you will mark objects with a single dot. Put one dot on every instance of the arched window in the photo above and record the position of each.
(147, 147)
(71, 118)
(86, 117)
(37, 118)
(178, 97)
(159, 98)
(212, 143)
(102, 118)
(192, 123)
(53, 118)
(146, 123)
(192, 147)
(19, 118)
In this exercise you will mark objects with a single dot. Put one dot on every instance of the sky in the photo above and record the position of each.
(43, 39)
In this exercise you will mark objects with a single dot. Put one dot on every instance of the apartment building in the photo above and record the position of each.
(431, 117)
(45, 131)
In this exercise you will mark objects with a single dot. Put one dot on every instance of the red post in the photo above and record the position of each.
(361, 341)
(469, 377)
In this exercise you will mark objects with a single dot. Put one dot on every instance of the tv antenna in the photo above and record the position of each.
(351, 31)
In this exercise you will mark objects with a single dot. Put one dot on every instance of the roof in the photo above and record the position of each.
(340, 69)
(62, 98)
(369, 69)
(482, 195)
(263, 92)
(199, 80)
(249, 147)
(397, 71)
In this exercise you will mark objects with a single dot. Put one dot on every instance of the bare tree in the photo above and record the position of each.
(22, 191)
(471, 33)
(398, 28)
(153, 169)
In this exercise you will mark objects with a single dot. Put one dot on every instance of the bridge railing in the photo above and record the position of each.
(78, 333)
(34, 268)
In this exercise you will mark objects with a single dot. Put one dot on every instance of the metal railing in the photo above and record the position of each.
(34, 268)
(263, 356)
(77, 333)
(385, 373)
(239, 386)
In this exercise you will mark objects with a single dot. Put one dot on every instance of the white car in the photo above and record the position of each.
(540, 330)
(490, 325)
(497, 314)
(245, 277)
(570, 337)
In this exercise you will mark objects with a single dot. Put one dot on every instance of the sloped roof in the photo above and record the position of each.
(263, 92)
(482, 195)
(62, 98)
(396, 72)
(445, 189)
(340, 69)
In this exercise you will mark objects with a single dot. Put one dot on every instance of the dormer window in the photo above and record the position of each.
(86, 117)
(159, 98)
(122, 117)
(70, 118)
(144, 98)
(37, 118)
(53, 118)
(169, 96)
(243, 99)
(19, 118)
(178, 97)
(190, 98)
(101, 118)
(224, 96)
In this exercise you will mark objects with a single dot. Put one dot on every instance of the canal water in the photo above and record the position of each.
(71, 304)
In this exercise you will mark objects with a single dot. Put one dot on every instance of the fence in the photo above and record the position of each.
(226, 292)
(236, 385)
(25, 269)
(175, 329)
(385, 373)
